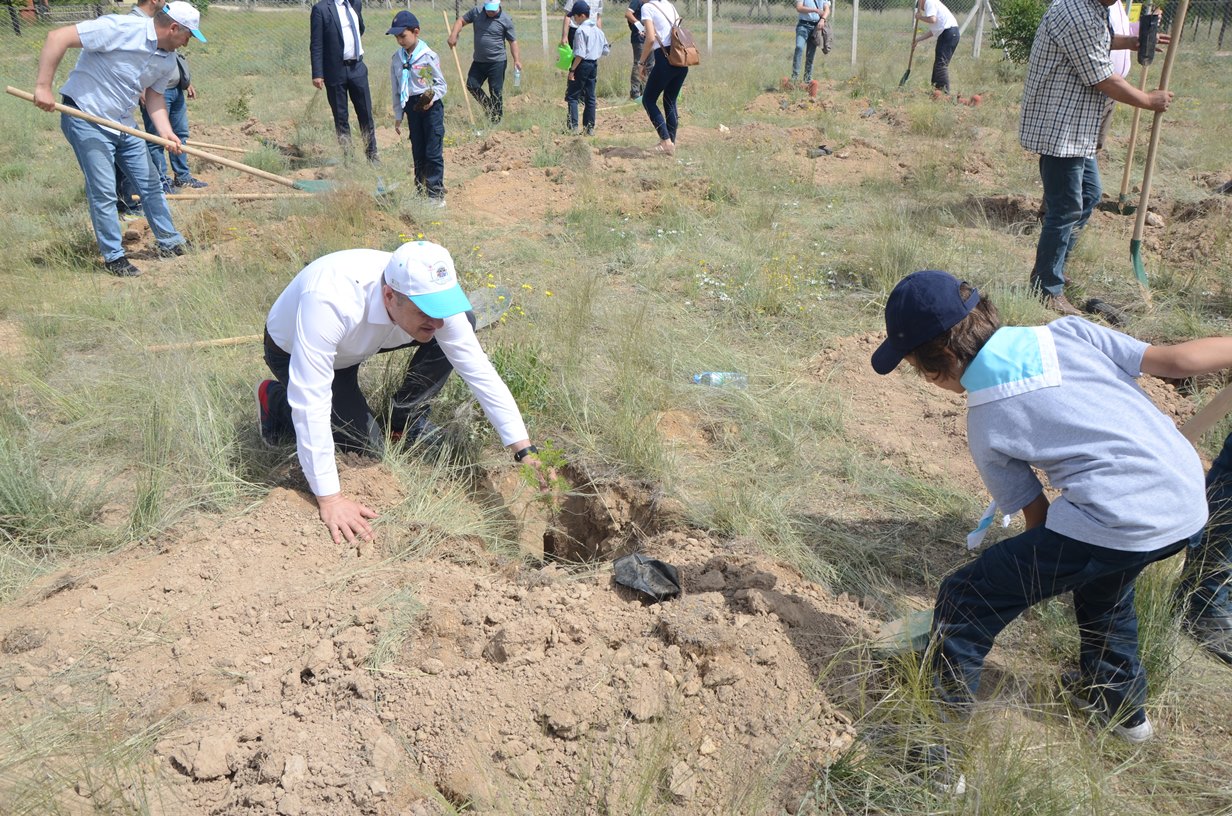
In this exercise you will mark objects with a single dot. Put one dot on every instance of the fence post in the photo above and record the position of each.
(979, 28)
(543, 22)
(855, 30)
(709, 26)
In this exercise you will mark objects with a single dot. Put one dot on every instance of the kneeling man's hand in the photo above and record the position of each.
(345, 518)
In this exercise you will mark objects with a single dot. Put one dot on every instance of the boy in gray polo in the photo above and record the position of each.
(589, 45)
(493, 28)
(1062, 399)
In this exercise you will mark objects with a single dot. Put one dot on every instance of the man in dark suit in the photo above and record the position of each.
(338, 67)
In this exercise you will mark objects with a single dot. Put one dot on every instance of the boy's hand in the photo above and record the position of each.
(398, 127)
(425, 100)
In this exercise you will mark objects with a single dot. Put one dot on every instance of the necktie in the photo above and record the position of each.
(354, 29)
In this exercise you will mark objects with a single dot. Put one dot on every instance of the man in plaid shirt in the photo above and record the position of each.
(1070, 84)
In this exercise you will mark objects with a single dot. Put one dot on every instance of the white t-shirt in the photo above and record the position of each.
(1120, 25)
(945, 19)
(657, 12)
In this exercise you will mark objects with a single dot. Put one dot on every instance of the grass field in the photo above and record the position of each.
(631, 274)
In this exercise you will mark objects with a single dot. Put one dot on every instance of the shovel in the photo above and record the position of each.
(466, 97)
(1135, 244)
(915, 32)
(1123, 199)
(295, 184)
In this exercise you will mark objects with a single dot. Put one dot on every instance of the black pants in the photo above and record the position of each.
(356, 87)
(427, 132)
(665, 80)
(355, 428)
(947, 41)
(494, 74)
(582, 89)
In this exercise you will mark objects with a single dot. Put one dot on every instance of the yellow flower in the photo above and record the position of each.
(419, 236)
(547, 292)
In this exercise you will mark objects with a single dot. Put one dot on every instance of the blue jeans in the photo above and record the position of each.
(665, 80)
(804, 48)
(947, 42)
(494, 74)
(177, 112)
(426, 130)
(1205, 584)
(1071, 191)
(582, 89)
(977, 601)
(98, 152)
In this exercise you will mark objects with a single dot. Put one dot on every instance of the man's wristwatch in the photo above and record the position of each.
(526, 451)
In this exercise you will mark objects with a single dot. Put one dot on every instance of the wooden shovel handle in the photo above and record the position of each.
(149, 137)
(1211, 413)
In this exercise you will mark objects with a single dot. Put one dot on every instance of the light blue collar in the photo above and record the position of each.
(1015, 360)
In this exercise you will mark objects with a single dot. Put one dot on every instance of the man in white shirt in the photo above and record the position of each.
(943, 25)
(342, 309)
(337, 53)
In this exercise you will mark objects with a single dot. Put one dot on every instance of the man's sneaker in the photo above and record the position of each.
(122, 268)
(933, 765)
(171, 252)
(1213, 633)
(1133, 728)
(189, 182)
(1061, 305)
(166, 185)
(265, 420)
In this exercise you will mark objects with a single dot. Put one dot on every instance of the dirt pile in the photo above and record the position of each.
(289, 676)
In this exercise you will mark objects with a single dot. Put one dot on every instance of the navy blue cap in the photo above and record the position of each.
(922, 306)
(402, 21)
(580, 7)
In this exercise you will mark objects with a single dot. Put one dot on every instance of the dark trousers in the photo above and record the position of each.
(356, 87)
(635, 75)
(1071, 191)
(494, 74)
(977, 601)
(354, 425)
(427, 132)
(665, 80)
(947, 41)
(582, 89)
(1206, 584)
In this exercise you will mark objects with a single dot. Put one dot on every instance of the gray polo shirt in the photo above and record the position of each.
(589, 42)
(1062, 399)
(119, 59)
(491, 34)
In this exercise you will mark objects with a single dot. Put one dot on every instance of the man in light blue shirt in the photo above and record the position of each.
(121, 58)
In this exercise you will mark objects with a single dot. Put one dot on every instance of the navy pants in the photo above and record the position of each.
(355, 428)
(1205, 585)
(947, 41)
(494, 74)
(355, 86)
(582, 89)
(427, 132)
(665, 80)
(977, 601)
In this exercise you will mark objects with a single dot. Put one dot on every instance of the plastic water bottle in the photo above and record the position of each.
(517, 77)
(722, 379)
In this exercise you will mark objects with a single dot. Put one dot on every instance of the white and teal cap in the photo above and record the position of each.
(424, 272)
(187, 16)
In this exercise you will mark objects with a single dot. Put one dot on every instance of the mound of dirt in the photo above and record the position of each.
(291, 676)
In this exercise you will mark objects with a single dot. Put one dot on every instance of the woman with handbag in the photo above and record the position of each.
(812, 30)
(665, 79)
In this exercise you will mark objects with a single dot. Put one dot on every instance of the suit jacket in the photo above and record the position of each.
(327, 40)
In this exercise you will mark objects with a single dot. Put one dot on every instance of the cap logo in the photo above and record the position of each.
(439, 273)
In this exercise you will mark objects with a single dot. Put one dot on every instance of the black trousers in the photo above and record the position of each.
(427, 133)
(494, 74)
(582, 89)
(354, 425)
(947, 41)
(355, 86)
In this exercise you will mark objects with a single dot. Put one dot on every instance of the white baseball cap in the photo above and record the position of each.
(187, 16)
(424, 272)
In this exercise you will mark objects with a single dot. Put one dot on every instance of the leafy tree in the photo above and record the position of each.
(1017, 21)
